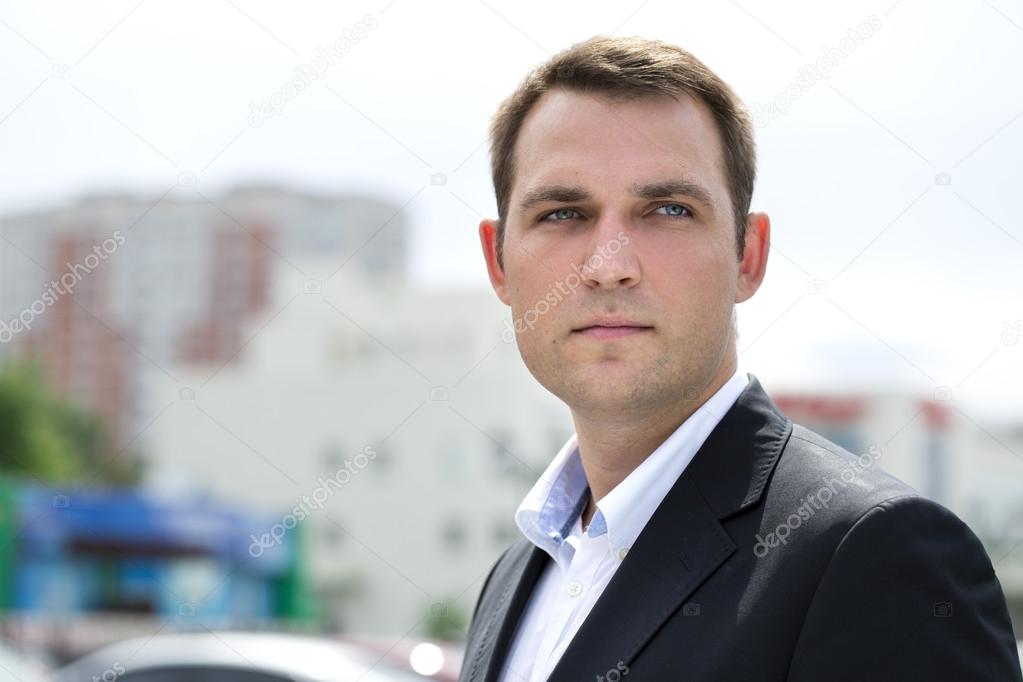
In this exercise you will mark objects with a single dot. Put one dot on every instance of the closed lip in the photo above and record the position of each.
(612, 321)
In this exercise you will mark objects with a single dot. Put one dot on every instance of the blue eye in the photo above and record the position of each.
(560, 215)
(558, 212)
(676, 210)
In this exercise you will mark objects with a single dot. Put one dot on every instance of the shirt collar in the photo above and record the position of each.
(549, 511)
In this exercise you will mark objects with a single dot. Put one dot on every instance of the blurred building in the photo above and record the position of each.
(400, 423)
(106, 293)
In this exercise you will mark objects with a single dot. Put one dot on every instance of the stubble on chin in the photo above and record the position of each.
(606, 384)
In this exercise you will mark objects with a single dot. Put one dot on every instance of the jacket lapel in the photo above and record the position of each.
(516, 577)
(680, 547)
(684, 542)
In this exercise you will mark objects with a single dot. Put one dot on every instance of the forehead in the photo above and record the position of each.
(589, 139)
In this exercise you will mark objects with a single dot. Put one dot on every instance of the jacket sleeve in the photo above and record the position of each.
(909, 594)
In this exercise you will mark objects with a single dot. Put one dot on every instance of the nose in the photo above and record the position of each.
(611, 260)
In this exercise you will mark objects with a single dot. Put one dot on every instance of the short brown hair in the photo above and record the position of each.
(626, 69)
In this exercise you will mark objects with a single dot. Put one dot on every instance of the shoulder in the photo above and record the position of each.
(826, 475)
(854, 507)
(818, 491)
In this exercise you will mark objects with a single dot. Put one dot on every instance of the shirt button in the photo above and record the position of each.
(574, 589)
(622, 552)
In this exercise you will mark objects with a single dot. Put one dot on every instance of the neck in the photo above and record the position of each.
(611, 449)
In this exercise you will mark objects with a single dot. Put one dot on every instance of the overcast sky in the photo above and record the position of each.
(922, 275)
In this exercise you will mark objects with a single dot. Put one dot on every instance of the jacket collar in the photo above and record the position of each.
(732, 468)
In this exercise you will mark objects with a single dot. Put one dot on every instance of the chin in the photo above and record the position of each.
(597, 388)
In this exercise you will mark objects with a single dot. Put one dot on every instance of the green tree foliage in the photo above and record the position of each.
(444, 621)
(51, 439)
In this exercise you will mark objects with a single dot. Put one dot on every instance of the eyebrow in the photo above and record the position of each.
(673, 188)
(558, 193)
(649, 191)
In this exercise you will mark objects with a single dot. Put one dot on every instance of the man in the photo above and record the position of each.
(688, 530)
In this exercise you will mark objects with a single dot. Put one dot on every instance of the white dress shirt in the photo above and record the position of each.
(585, 561)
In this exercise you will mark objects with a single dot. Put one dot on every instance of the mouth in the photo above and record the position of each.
(611, 331)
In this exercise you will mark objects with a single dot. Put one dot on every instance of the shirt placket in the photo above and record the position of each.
(575, 582)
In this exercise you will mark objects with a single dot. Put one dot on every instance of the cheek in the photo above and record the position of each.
(692, 263)
(529, 312)
(535, 281)
(693, 282)
(521, 289)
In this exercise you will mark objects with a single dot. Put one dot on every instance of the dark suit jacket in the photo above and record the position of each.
(748, 570)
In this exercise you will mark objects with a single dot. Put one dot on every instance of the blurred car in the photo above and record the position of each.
(16, 666)
(434, 659)
(232, 657)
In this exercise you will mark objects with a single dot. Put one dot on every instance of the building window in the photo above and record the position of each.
(452, 460)
(505, 532)
(381, 464)
(333, 457)
(454, 535)
(502, 451)
(332, 536)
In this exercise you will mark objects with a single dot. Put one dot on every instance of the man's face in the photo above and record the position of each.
(620, 210)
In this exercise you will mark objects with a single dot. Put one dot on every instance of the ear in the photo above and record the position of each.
(753, 266)
(488, 240)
